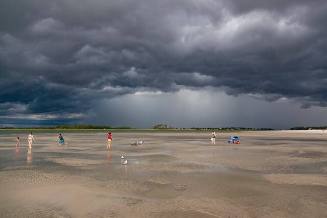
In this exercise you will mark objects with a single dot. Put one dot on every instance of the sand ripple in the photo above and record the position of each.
(76, 162)
(297, 179)
(30, 177)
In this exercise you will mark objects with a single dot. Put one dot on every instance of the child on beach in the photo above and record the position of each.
(17, 142)
(61, 139)
(109, 138)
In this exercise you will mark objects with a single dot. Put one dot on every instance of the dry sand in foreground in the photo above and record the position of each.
(270, 174)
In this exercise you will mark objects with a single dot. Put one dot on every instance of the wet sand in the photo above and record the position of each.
(173, 174)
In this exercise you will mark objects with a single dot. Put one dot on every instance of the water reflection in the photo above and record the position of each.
(124, 171)
(29, 156)
(109, 156)
(17, 151)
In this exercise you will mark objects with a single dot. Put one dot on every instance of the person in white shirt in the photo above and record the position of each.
(213, 138)
(30, 140)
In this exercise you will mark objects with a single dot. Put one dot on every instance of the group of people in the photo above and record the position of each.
(30, 140)
(61, 140)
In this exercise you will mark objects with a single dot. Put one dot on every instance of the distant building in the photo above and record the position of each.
(161, 126)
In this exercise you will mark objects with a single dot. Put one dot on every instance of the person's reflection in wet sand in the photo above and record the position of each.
(109, 156)
(124, 171)
(17, 151)
(29, 156)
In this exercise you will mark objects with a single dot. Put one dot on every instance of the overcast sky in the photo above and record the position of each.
(187, 63)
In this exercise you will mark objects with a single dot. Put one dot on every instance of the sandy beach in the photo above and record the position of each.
(173, 174)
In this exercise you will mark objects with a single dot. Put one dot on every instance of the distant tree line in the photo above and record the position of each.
(308, 127)
(159, 126)
(165, 126)
(233, 129)
(74, 126)
(88, 126)
(82, 126)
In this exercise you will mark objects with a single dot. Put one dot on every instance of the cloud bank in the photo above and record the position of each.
(60, 57)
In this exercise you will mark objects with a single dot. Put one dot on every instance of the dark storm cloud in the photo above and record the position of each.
(61, 56)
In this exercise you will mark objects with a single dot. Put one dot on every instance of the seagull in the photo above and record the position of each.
(138, 142)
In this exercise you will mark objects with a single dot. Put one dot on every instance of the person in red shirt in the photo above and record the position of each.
(109, 137)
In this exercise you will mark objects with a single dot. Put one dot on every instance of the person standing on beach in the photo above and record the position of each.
(17, 145)
(61, 139)
(17, 142)
(213, 138)
(30, 140)
(109, 138)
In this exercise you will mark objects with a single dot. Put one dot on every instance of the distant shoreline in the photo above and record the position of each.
(158, 127)
(3, 130)
(310, 131)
